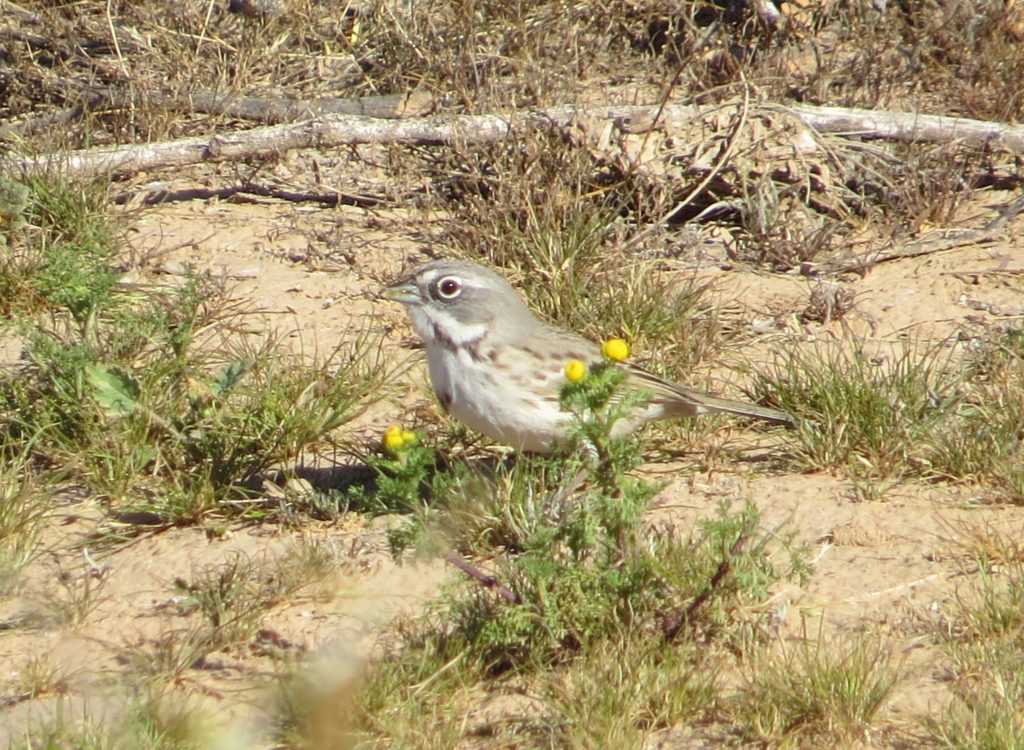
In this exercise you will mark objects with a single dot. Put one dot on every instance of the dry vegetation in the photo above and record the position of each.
(202, 540)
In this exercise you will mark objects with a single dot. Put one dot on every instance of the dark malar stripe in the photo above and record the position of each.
(471, 347)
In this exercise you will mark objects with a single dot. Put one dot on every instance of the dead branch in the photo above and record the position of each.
(42, 123)
(156, 197)
(482, 578)
(332, 131)
(270, 110)
(326, 132)
(675, 621)
(910, 127)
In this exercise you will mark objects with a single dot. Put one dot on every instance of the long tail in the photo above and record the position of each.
(708, 403)
(679, 401)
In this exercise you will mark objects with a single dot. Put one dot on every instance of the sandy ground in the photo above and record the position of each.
(315, 272)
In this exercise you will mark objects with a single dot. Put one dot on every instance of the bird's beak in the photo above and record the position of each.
(404, 291)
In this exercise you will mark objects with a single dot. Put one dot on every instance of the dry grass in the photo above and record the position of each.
(493, 55)
(605, 231)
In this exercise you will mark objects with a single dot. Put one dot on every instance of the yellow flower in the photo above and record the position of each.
(394, 438)
(615, 349)
(408, 436)
(575, 371)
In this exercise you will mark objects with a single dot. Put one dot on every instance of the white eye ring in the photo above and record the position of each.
(449, 287)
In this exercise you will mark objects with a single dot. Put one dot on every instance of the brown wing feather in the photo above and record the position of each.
(674, 399)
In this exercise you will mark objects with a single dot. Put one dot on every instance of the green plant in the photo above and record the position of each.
(54, 278)
(181, 435)
(150, 719)
(815, 690)
(66, 260)
(402, 468)
(624, 690)
(573, 570)
(984, 645)
(142, 395)
(14, 198)
(873, 416)
(63, 731)
(23, 506)
(982, 443)
(169, 655)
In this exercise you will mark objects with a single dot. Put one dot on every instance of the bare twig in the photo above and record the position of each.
(41, 123)
(271, 110)
(154, 197)
(483, 578)
(675, 622)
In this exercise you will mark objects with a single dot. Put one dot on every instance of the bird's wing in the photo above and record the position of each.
(673, 399)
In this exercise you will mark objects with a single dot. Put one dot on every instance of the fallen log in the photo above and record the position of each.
(332, 131)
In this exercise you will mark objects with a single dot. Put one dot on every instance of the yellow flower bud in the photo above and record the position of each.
(408, 436)
(575, 371)
(615, 349)
(393, 438)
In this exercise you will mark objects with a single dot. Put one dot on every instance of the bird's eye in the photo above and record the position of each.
(449, 287)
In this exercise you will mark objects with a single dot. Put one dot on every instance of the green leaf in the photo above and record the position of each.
(114, 388)
(231, 374)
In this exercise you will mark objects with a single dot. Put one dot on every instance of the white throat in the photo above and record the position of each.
(439, 327)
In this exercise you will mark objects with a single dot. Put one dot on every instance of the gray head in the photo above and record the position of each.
(455, 303)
